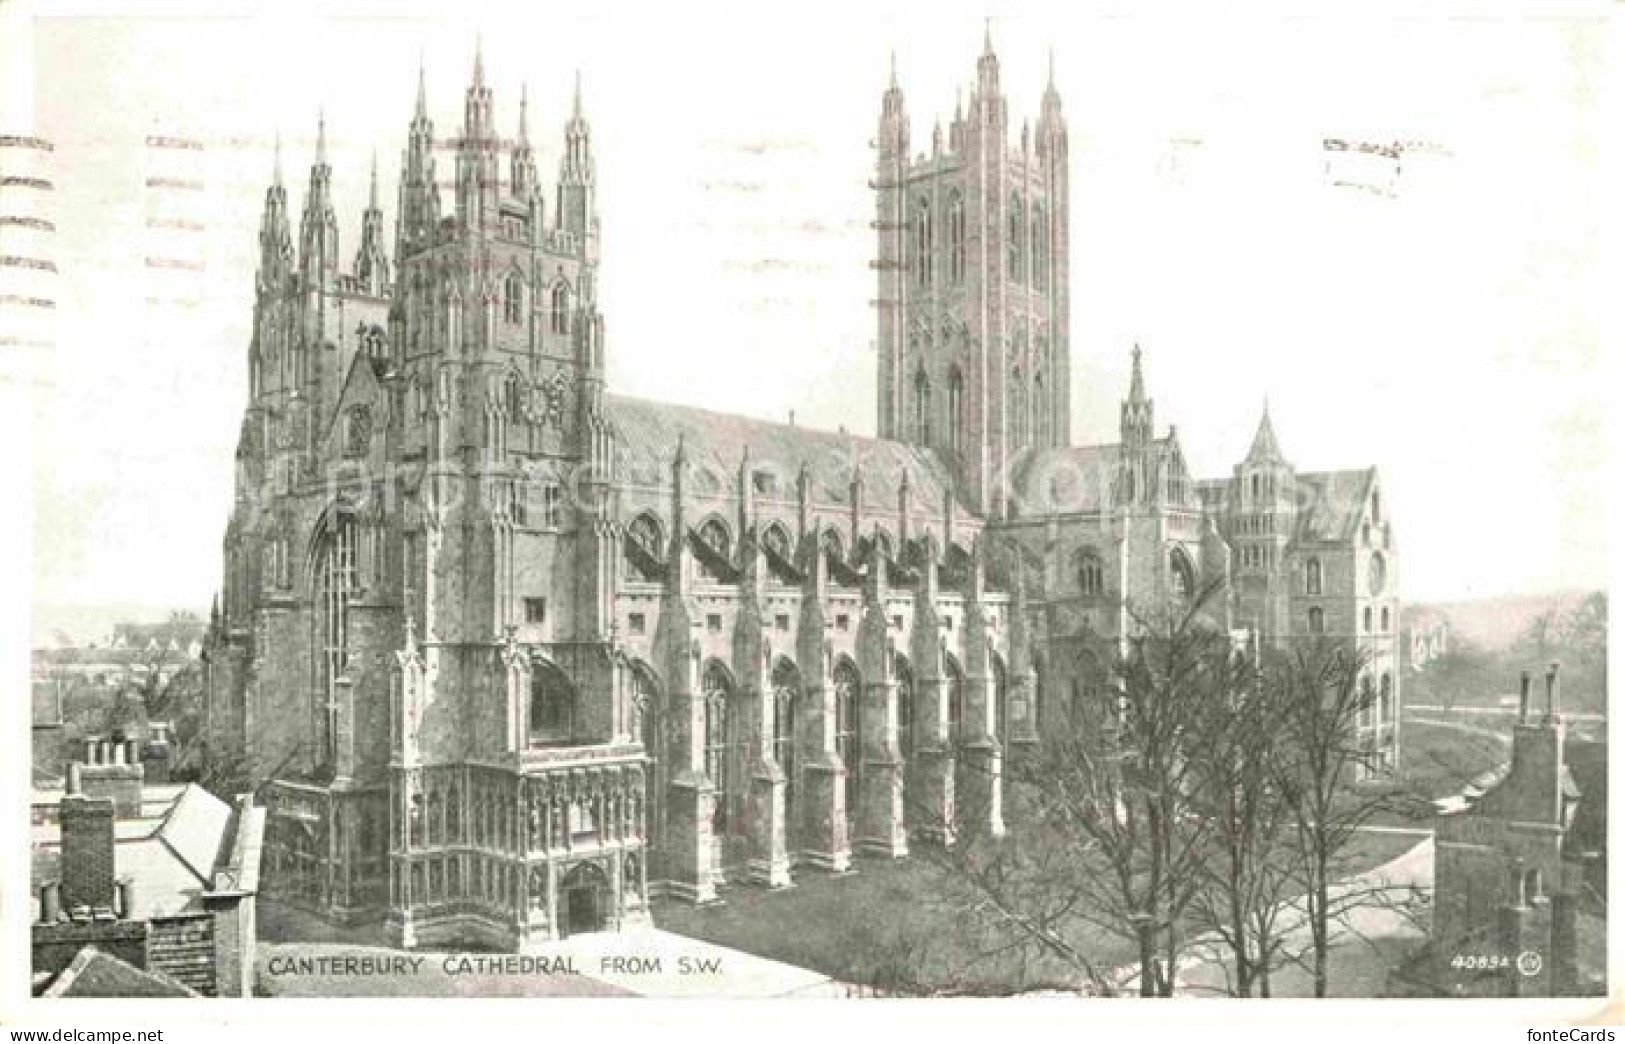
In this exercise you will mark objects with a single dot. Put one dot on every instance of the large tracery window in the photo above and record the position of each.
(956, 238)
(956, 409)
(336, 584)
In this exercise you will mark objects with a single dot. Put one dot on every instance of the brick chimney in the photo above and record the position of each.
(115, 771)
(87, 847)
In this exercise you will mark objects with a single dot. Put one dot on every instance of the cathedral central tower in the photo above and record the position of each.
(973, 270)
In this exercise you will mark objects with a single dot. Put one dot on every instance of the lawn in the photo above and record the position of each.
(888, 921)
(1439, 760)
(893, 923)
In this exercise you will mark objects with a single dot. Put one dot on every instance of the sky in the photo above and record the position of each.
(1452, 329)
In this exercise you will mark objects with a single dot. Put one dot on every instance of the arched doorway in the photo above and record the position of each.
(585, 900)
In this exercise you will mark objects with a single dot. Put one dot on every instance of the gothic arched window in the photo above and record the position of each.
(1016, 240)
(1385, 700)
(558, 318)
(1091, 576)
(905, 707)
(1377, 573)
(714, 535)
(922, 407)
(1312, 577)
(848, 698)
(718, 690)
(513, 298)
(1183, 575)
(1040, 249)
(776, 540)
(336, 582)
(956, 237)
(1040, 412)
(1317, 621)
(513, 396)
(645, 547)
(833, 548)
(956, 408)
(922, 242)
(1385, 620)
(552, 705)
(786, 695)
(955, 680)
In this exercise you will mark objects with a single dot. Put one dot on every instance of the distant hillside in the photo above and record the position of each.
(1494, 624)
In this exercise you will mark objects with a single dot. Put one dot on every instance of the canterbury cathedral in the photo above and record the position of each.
(508, 654)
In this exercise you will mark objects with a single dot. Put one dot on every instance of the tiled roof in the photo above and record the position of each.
(715, 443)
(96, 974)
(171, 859)
(1331, 503)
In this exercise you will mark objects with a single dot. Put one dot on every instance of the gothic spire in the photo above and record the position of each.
(1265, 445)
(479, 60)
(276, 169)
(372, 183)
(575, 101)
(422, 111)
(1137, 425)
(524, 111)
(321, 138)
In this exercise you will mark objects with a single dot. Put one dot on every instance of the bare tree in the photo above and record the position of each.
(1106, 836)
(1323, 773)
(1254, 868)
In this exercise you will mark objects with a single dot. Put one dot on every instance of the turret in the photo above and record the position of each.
(319, 227)
(522, 164)
(372, 260)
(1138, 418)
(577, 207)
(276, 238)
(419, 200)
(478, 180)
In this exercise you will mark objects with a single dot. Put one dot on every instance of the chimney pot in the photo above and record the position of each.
(1523, 697)
(1551, 691)
(75, 788)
